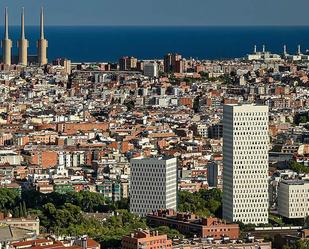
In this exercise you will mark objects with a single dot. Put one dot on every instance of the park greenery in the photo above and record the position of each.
(10, 202)
(301, 118)
(63, 214)
(204, 203)
(300, 244)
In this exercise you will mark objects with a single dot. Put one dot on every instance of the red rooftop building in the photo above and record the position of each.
(190, 224)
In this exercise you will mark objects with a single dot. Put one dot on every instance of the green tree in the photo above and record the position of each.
(24, 209)
(21, 210)
(9, 198)
(16, 212)
(171, 233)
(203, 203)
(286, 247)
(204, 74)
(196, 104)
(302, 244)
(130, 105)
(298, 167)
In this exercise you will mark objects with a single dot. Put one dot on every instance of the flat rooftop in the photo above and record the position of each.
(295, 182)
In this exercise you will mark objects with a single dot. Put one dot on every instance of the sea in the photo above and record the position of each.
(108, 44)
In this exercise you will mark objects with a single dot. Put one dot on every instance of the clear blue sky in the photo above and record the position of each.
(161, 12)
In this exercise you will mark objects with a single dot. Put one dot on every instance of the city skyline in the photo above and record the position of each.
(162, 13)
(154, 124)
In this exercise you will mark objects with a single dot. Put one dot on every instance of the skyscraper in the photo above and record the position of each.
(23, 43)
(6, 42)
(153, 185)
(245, 158)
(42, 43)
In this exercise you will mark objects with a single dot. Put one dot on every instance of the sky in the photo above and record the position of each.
(161, 12)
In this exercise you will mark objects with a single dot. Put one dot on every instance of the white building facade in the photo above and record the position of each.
(293, 196)
(245, 162)
(153, 185)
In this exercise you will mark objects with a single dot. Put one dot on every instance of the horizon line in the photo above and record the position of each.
(161, 26)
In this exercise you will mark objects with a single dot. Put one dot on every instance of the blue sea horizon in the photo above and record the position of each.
(109, 43)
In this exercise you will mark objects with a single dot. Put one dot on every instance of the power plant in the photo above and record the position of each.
(23, 43)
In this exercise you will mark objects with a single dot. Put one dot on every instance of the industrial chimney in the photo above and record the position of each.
(42, 43)
(6, 42)
(23, 43)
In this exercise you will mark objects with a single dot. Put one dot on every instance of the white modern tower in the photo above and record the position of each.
(6, 42)
(42, 43)
(245, 163)
(153, 185)
(23, 43)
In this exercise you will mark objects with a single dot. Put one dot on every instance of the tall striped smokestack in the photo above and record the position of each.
(23, 43)
(42, 43)
(6, 42)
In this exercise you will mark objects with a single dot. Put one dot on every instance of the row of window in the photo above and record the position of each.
(299, 190)
(156, 191)
(256, 205)
(251, 114)
(248, 133)
(259, 142)
(249, 164)
(250, 184)
(251, 212)
(246, 198)
(147, 205)
(144, 180)
(263, 156)
(254, 221)
(251, 127)
(242, 174)
(249, 170)
(254, 192)
(242, 148)
(297, 195)
(143, 169)
(149, 174)
(252, 139)
(297, 204)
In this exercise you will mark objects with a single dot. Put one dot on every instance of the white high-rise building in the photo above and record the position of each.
(153, 185)
(245, 163)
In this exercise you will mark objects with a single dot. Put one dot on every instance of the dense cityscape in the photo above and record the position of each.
(163, 153)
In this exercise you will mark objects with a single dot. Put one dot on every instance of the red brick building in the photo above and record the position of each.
(44, 158)
(146, 240)
(188, 223)
(73, 128)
